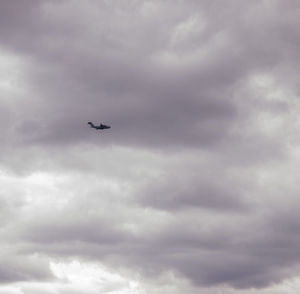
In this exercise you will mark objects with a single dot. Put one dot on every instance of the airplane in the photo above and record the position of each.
(100, 127)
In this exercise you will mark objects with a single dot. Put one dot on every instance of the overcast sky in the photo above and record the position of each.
(194, 189)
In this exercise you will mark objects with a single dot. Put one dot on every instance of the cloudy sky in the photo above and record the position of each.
(194, 189)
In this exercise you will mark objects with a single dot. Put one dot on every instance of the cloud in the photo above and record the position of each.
(30, 268)
(195, 184)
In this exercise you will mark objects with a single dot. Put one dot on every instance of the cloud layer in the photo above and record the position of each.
(193, 189)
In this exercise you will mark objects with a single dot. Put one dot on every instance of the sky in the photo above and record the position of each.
(194, 189)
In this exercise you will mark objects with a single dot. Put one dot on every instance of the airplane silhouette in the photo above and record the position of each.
(100, 127)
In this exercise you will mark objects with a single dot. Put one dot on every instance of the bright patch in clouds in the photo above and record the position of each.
(12, 75)
(93, 278)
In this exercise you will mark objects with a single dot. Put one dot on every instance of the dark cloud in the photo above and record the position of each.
(150, 91)
(147, 103)
(195, 180)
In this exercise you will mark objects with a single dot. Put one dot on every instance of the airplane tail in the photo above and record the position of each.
(91, 124)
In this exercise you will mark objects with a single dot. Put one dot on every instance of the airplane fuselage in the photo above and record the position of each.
(100, 127)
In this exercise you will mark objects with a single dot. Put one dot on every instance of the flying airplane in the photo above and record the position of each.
(100, 127)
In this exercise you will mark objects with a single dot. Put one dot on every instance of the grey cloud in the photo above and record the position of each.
(244, 249)
(197, 244)
(24, 268)
(188, 179)
(190, 188)
(148, 104)
(152, 105)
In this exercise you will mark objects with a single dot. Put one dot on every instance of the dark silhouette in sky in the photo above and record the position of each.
(100, 127)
